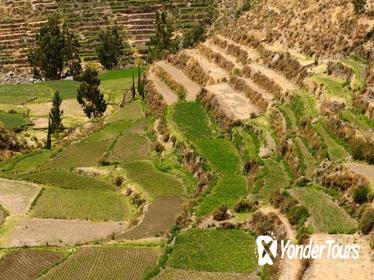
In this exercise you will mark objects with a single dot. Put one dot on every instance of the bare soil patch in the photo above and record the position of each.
(27, 264)
(17, 196)
(363, 169)
(168, 95)
(39, 232)
(232, 102)
(362, 268)
(192, 88)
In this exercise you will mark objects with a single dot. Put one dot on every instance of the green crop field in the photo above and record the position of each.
(12, 120)
(246, 144)
(81, 204)
(214, 250)
(274, 178)
(151, 180)
(26, 162)
(27, 264)
(130, 147)
(334, 86)
(106, 263)
(221, 154)
(193, 121)
(326, 215)
(336, 151)
(67, 180)
(228, 191)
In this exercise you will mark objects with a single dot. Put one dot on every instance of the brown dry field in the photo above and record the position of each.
(360, 269)
(17, 196)
(27, 264)
(39, 232)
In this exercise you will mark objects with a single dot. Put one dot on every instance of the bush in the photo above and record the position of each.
(245, 205)
(360, 194)
(367, 220)
(297, 215)
(359, 6)
(362, 149)
(221, 213)
(194, 35)
(118, 181)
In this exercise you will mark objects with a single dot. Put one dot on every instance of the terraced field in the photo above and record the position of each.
(106, 263)
(326, 215)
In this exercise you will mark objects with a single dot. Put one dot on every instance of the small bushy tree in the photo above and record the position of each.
(360, 194)
(164, 40)
(194, 35)
(359, 6)
(140, 86)
(56, 113)
(111, 47)
(89, 95)
(55, 49)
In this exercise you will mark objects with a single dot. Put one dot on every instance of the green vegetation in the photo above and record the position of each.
(228, 191)
(193, 121)
(55, 49)
(214, 250)
(361, 121)
(358, 69)
(67, 180)
(12, 120)
(194, 35)
(153, 181)
(326, 215)
(26, 162)
(221, 154)
(334, 87)
(56, 114)
(111, 47)
(274, 178)
(246, 143)
(359, 6)
(89, 96)
(81, 204)
(336, 151)
(130, 147)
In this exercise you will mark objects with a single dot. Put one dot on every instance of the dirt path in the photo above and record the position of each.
(25, 231)
(363, 169)
(232, 102)
(360, 269)
(289, 268)
(169, 96)
(192, 88)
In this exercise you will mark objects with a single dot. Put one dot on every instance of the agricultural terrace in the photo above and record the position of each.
(104, 262)
(214, 250)
(326, 216)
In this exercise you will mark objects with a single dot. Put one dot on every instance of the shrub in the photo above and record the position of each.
(367, 220)
(297, 215)
(221, 213)
(362, 149)
(245, 205)
(118, 181)
(194, 35)
(360, 194)
(359, 6)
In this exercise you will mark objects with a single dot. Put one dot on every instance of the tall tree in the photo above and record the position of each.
(133, 89)
(56, 113)
(140, 86)
(54, 49)
(48, 145)
(89, 96)
(164, 40)
(73, 60)
(111, 47)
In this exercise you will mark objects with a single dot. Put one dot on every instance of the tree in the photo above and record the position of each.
(163, 41)
(73, 59)
(194, 35)
(56, 113)
(133, 89)
(140, 84)
(55, 49)
(111, 47)
(48, 145)
(89, 96)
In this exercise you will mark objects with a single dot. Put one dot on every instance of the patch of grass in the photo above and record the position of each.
(11, 121)
(289, 116)
(334, 86)
(309, 160)
(221, 154)
(326, 215)
(119, 74)
(18, 94)
(335, 151)
(214, 250)
(228, 191)
(81, 204)
(130, 147)
(362, 122)
(358, 69)
(67, 180)
(274, 178)
(151, 180)
(29, 162)
(67, 88)
(245, 143)
(130, 112)
(193, 121)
